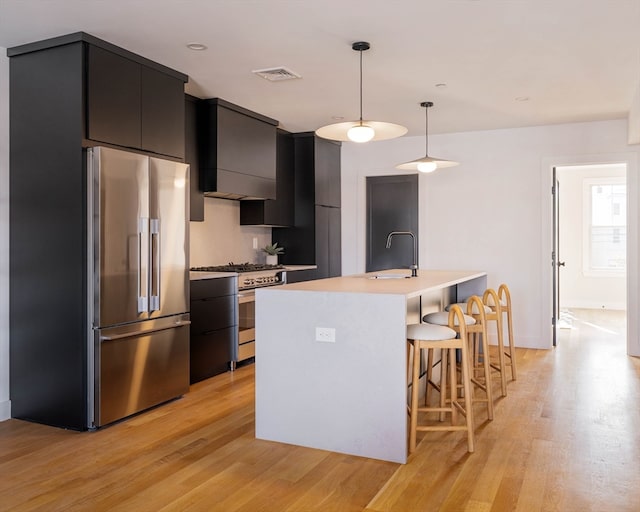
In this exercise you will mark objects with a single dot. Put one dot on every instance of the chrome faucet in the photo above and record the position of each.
(414, 267)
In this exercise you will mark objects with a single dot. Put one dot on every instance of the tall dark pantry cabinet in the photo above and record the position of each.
(67, 94)
(315, 237)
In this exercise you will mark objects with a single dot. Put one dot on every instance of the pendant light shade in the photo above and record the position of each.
(426, 163)
(361, 130)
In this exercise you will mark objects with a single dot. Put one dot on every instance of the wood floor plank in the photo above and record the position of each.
(566, 438)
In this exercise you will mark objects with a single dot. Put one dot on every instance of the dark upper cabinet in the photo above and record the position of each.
(113, 98)
(326, 162)
(238, 154)
(196, 197)
(279, 211)
(133, 105)
(315, 237)
(162, 113)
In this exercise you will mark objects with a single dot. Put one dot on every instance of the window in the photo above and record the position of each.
(606, 227)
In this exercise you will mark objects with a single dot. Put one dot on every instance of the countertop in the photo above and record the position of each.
(196, 276)
(395, 282)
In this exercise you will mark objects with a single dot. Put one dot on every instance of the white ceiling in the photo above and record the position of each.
(575, 60)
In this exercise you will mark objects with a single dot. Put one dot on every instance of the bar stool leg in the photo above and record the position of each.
(505, 299)
(467, 399)
(415, 382)
(501, 357)
(512, 348)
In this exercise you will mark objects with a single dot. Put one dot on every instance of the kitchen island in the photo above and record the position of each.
(331, 367)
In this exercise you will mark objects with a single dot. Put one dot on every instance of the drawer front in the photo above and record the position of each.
(207, 288)
(211, 354)
(212, 314)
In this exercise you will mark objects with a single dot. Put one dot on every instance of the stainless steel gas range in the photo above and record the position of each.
(250, 277)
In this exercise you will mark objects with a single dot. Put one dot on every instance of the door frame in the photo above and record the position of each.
(546, 240)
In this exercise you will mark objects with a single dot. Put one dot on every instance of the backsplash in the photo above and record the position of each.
(221, 239)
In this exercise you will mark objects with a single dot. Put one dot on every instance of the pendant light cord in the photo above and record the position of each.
(426, 130)
(360, 87)
(426, 105)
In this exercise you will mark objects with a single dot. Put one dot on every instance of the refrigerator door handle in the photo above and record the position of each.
(113, 337)
(154, 274)
(143, 265)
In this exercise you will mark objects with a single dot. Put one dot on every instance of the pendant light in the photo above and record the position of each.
(426, 163)
(361, 130)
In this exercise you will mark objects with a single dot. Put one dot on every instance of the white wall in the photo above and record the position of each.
(493, 211)
(221, 239)
(5, 405)
(577, 289)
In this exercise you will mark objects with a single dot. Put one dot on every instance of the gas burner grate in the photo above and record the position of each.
(237, 267)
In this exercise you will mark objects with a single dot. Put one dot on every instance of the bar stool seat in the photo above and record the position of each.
(442, 318)
(430, 337)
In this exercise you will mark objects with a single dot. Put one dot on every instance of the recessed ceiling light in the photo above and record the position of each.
(522, 98)
(442, 85)
(198, 47)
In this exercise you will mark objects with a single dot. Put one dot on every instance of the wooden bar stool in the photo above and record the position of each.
(505, 304)
(429, 337)
(476, 324)
(490, 299)
(440, 318)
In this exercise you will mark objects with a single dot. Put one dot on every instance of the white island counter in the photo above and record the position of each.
(331, 369)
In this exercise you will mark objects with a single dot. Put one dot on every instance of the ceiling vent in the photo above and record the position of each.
(277, 74)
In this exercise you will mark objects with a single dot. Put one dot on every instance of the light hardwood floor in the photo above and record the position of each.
(567, 438)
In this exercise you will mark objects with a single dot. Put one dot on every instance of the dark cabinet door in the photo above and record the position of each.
(322, 241)
(196, 198)
(328, 242)
(335, 242)
(162, 113)
(245, 144)
(279, 211)
(327, 172)
(132, 105)
(214, 326)
(113, 98)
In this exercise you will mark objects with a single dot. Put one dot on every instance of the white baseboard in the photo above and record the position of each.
(589, 304)
(5, 410)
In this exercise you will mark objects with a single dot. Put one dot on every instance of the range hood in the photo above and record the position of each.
(238, 151)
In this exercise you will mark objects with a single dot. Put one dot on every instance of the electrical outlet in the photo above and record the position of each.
(255, 242)
(326, 334)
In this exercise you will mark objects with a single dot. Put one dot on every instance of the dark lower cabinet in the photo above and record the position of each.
(214, 326)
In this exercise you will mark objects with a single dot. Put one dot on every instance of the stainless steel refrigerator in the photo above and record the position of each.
(138, 248)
